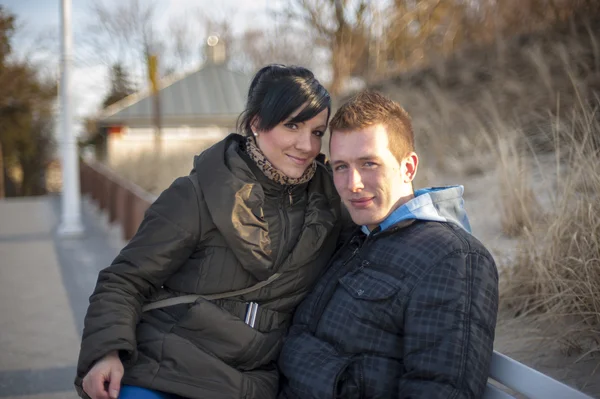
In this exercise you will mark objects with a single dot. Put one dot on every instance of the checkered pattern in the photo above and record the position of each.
(411, 315)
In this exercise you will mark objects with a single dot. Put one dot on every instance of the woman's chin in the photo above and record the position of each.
(294, 173)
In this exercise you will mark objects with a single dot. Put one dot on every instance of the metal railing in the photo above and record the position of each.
(124, 201)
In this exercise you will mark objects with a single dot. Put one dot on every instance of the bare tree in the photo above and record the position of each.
(476, 22)
(123, 33)
(340, 26)
(259, 47)
(416, 29)
(184, 40)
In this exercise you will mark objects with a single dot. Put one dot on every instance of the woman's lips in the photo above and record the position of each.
(297, 161)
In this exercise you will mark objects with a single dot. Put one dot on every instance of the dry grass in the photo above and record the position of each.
(557, 271)
(518, 205)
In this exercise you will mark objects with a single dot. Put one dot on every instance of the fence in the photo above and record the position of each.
(124, 202)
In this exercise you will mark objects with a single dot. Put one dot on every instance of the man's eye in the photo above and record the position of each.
(370, 164)
(319, 133)
(339, 168)
(292, 126)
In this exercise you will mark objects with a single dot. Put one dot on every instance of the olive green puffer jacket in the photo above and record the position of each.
(224, 227)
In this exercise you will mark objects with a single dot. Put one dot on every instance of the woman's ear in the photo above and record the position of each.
(254, 124)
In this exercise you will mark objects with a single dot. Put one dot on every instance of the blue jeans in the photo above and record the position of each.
(133, 392)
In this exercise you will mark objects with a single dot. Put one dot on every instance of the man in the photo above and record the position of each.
(407, 307)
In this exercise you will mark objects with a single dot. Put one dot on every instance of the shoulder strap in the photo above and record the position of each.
(192, 298)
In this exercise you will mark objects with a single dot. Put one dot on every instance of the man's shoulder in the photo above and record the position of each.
(425, 244)
(430, 236)
(469, 242)
(457, 245)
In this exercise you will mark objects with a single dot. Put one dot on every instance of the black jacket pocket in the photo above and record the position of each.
(368, 285)
(372, 299)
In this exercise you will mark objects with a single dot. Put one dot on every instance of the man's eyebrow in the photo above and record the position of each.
(369, 158)
(363, 158)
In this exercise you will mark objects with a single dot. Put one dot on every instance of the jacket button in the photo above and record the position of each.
(360, 292)
(365, 263)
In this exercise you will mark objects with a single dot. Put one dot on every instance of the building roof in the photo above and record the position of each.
(211, 95)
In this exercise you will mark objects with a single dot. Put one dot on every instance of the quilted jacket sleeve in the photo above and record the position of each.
(165, 239)
(449, 329)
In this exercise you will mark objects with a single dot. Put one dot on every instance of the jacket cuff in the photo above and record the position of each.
(95, 346)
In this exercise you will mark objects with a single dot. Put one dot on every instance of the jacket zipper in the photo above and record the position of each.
(361, 379)
(321, 301)
(285, 225)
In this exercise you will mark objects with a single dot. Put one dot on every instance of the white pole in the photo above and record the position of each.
(71, 200)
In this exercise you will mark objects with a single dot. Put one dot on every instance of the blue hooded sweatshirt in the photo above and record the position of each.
(436, 204)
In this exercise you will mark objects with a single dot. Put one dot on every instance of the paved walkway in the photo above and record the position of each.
(45, 283)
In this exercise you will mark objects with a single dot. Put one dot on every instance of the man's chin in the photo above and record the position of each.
(361, 220)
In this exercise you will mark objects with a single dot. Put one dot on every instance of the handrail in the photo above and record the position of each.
(124, 201)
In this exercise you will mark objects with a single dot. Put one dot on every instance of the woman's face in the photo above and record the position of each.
(292, 147)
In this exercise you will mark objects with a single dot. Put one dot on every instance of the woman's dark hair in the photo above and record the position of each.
(278, 90)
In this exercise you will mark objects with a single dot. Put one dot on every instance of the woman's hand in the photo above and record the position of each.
(103, 381)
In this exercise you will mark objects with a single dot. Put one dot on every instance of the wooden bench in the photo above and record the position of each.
(525, 381)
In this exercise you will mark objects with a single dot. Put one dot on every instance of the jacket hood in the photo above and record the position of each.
(435, 204)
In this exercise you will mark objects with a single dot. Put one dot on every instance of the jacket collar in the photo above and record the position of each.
(235, 196)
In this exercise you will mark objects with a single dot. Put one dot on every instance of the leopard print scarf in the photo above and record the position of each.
(271, 171)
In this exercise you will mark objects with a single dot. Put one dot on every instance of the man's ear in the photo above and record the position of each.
(409, 167)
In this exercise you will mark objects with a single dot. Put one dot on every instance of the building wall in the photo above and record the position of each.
(135, 143)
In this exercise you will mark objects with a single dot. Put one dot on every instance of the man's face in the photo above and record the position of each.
(370, 180)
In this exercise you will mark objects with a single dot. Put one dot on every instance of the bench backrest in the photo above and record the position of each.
(524, 380)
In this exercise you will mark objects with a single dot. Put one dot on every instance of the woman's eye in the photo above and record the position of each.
(319, 133)
(292, 126)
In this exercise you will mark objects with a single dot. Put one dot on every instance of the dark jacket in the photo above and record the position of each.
(224, 227)
(405, 312)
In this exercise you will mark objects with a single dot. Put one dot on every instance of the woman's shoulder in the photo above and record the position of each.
(323, 163)
(323, 180)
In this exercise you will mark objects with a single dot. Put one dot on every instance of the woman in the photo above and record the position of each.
(250, 229)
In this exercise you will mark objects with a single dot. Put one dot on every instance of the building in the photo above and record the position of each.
(195, 108)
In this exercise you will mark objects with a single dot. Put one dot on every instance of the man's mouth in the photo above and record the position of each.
(361, 203)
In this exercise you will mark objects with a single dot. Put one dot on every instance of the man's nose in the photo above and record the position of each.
(355, 181)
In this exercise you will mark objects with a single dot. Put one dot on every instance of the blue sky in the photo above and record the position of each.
(39, 36)
(36, 12)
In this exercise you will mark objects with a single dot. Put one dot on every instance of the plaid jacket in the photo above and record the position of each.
(409, 312)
